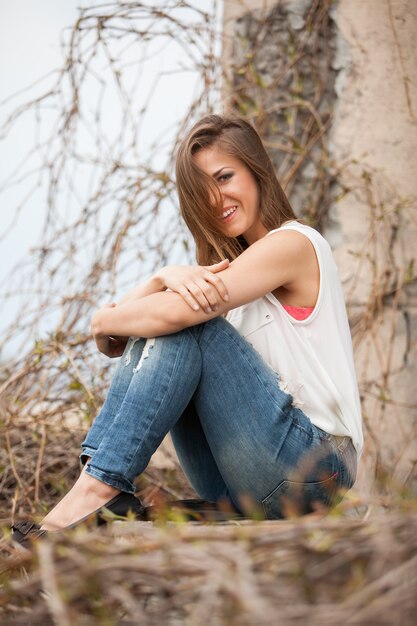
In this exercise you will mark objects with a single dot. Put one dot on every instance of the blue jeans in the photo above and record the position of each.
(237, 434)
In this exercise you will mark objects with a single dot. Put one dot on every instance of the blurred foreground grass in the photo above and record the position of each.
(357, 565)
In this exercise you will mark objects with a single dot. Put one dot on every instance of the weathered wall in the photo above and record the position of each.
(375, 135)
(280, 75)
(365, 164)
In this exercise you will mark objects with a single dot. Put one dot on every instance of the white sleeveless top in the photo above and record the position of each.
(313, 357)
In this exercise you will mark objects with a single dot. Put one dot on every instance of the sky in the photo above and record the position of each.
(30, 32)
(30, 49)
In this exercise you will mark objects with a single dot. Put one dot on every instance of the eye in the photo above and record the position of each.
(223, 177)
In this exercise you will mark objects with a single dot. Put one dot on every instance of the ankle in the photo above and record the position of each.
(91, 485)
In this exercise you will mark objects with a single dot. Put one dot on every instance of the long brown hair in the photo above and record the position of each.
(197, 190)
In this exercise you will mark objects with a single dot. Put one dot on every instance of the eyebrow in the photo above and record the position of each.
(220, 170)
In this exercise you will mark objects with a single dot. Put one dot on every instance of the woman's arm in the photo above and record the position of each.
(153, 285)
(198, 285)
(278, 260)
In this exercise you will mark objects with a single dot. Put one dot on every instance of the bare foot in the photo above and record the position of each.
(86, 496)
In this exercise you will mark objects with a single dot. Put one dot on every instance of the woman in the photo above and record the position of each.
(247, 363)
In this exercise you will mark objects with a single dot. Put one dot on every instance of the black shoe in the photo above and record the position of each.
(119, 506)
(22, 532)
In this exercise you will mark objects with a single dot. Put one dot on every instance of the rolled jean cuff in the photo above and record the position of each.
(86, 453)
(114, 480)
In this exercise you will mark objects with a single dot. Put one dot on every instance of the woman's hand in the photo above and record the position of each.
(110, 346)
(198, 285)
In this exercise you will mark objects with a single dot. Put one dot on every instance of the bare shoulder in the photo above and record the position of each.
(290, 243)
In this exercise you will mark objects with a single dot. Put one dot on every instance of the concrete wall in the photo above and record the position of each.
(371, 213)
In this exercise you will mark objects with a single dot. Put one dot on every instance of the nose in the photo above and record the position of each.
(216, 197)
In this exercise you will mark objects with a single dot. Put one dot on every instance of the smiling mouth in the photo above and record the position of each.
(228, 212)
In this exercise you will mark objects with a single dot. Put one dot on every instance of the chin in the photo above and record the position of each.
(232, 235)
(234, 231)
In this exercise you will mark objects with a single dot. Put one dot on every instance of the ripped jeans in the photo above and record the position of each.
(237, 434)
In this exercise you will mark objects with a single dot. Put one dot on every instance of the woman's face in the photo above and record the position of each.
(240, 193)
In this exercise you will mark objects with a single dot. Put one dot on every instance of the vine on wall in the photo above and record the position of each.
(281, 77)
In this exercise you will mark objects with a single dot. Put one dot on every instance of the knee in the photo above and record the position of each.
(216, 324)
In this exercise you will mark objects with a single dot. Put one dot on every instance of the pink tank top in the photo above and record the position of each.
(298, 312)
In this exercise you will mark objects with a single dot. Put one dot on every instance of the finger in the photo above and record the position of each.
(203, 293)
(213, 295)
(187, 297)
(218, 284)
(217, 267)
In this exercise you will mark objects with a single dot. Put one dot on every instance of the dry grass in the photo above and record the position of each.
(313, 570)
